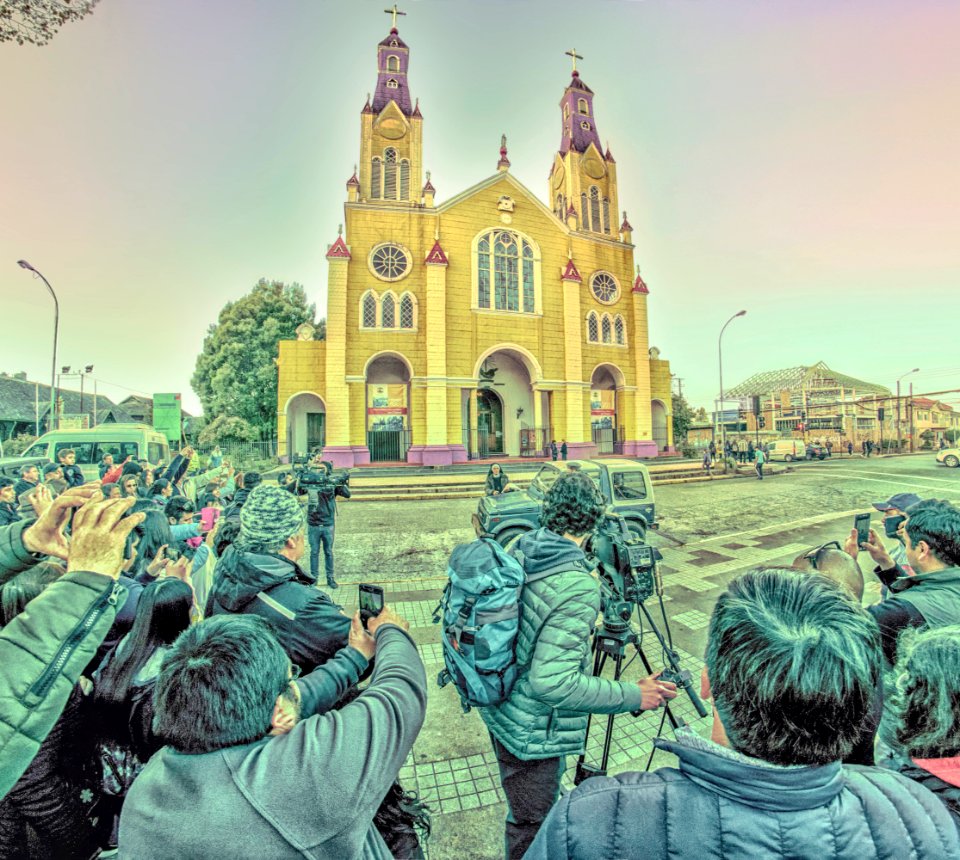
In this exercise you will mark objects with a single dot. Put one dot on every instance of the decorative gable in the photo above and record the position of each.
(436, 257)
(570, 273)
(639, 286)
(338, 250)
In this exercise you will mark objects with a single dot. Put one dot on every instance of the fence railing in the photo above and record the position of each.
(240, 452)
(388, 446)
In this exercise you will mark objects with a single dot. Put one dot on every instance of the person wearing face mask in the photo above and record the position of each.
(930, 597)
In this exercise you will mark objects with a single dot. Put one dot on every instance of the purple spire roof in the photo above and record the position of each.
(393, 60)
(579, 126)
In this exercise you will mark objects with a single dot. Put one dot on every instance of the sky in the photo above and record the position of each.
(794, 159)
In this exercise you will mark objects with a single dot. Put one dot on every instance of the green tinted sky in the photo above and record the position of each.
(797, 159)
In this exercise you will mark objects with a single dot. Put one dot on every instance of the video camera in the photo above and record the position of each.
(313, 476)
(627, 566)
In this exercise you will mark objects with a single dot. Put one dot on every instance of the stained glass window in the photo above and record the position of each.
(582, 107)
(369, 311)
(483, 273)
(529, 301)
(506, 287)
(388, 312)
(393, 64)
(604, 288)
(511, 270)
(619, 330)
(389, 262)
(405, 180)
(592, 332)
(604, 328)
(595, 209)
(406, 311)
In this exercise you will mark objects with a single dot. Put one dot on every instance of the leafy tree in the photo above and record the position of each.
(700, 415)
(35, 22)
(227, 428)
(236, 373)
(682, 418)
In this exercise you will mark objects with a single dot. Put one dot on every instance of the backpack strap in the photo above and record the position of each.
(462, 616)
(277, 606)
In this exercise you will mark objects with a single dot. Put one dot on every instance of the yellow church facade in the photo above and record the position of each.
(488, 326)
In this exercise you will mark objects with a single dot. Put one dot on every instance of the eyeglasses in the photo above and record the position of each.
(814, 555)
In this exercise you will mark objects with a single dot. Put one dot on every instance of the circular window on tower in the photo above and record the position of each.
(605, 288)
(390, 262)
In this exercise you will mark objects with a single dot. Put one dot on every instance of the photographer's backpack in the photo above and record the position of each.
(480, 616)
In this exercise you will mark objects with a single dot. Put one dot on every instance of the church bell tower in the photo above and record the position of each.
(391, 128)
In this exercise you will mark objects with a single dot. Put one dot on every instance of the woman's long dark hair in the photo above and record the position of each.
(154, 532)
(158, 485)
(19, 591)
(163, 613)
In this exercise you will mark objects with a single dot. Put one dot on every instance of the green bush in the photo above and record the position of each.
(18, 444)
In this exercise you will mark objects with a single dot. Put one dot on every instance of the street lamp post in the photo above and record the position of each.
(899, 434)
(723, 425)
(23, 264)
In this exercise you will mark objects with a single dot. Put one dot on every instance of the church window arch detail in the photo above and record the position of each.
(566, 112)
(389, 173)
(368, 310)
(582, 107)
(559, 207)
(606, 214)
(593, 328)
(506, 272)
(408, 311)
(585, 125)
(606, 333)
(376, 178)
(392, 84)
(405, 180)
(604, 287)
(595, 209)
(388, 311)
(393, 63)
(389, 261)
(619, 330)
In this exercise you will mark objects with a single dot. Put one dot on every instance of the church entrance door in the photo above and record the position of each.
(489, 424)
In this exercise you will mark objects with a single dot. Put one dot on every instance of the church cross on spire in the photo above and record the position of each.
(394, 12)
(574, 56)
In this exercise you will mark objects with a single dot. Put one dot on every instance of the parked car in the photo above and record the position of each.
(949, 457)
(624, 484)
(122, 440)
(816, 451)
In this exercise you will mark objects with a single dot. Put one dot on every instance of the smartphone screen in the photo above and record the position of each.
(371, 600)
(861, 522)
(208, 517)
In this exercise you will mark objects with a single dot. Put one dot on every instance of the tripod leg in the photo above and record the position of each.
(599, 661)
(674, 722)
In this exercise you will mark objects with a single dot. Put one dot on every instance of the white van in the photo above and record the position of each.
(122, 440)
(787, 449)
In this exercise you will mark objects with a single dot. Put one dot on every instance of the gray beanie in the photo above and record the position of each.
(268, 517)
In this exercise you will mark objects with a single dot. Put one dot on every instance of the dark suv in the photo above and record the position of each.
(625, 485)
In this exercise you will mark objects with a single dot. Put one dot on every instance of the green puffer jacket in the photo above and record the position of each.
(13, 557)
(42, 653)
(546, 713)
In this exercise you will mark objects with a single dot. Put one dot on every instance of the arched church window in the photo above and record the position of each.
(406, 311)
(619, 330)
(566, 112)
(393, 63)
(392, 84)
(592, 328)
(582, 107)
(390, 174)
(584, 213)
(369, 313)
(559, 207)
(605, 328)
(606, 215)
(506, 272)
(376, 180)
(388, 315)
(595, 224)
(405, 180)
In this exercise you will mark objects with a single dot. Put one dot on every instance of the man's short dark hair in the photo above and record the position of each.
(178, 506)
(573, 505)
(251, 479)
(26, 467)
(793, 663)
(218, 684)
(131, 468)
(937, 523)
(63, 453)
(6, 482)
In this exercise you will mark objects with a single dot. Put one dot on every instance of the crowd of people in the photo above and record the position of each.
(179, 688)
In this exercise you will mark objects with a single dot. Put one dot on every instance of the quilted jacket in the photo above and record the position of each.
(546, 713)
(725, 805)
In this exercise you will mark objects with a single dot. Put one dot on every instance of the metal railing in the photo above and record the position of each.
(388, 446)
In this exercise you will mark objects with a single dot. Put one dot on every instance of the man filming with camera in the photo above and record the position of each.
(544, 719)
(322, 490)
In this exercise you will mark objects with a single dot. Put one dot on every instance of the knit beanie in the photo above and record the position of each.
(269, 516)
(131, 468)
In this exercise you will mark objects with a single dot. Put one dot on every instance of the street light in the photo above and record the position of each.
(82, 373)
(723, 425)
(899, 443)
(23, 264)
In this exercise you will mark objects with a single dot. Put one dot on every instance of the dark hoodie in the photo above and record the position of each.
(309, 626)
(232, 511)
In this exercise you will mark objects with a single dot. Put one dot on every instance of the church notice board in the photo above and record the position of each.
(386, 407)
(603, 407)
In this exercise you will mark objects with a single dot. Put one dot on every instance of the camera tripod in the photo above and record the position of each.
(611, 642)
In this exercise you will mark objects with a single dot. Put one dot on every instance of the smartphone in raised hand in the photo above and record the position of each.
(861, 522)
(371, 601)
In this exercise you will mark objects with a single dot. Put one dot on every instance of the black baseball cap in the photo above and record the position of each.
(901, 501)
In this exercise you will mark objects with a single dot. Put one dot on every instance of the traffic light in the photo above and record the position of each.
(880, 414)
(762, 422)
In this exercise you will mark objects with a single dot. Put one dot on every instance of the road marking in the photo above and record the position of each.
(899, 479)
(773, 527)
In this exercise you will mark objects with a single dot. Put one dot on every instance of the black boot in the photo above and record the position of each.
(331, 582)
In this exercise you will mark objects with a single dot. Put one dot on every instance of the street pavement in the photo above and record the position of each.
(709, 533)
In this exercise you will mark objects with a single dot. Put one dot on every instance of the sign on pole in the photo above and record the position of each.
(167, 416)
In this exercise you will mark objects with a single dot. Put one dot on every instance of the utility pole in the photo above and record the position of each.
(910, 407)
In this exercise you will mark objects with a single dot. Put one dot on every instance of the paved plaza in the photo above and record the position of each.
(710, 532)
